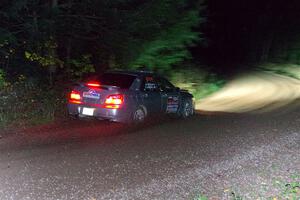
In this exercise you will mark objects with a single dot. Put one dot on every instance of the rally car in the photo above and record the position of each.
(128, 96)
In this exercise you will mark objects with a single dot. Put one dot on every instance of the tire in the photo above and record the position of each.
(187, 109)
(73, 117)
(139, 115)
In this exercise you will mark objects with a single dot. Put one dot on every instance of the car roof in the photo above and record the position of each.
(132, 72)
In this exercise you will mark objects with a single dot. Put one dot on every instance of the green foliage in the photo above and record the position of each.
(201, 197)
(198, 82)
(81, 66)
(3, 81)
(236, 196)
(26, 102)
(6, 39)
(153, 33)
(169, 46)
(285, 69)
(292, 190)
(44, 61)
(289, 189)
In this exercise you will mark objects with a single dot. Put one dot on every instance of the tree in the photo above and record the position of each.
(73, 37)
(171, 46)
(161, 34)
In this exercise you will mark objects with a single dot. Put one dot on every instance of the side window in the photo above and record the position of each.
(137, 84)
(150, 84)
(165, 85)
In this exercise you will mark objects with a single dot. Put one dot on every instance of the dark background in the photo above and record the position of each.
(241, 33)
(235, 34)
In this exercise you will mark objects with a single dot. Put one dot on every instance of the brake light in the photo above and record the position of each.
(114, 101)
(75, 97)
(93, 84)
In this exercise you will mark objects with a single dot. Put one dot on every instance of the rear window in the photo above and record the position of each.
(123, 81)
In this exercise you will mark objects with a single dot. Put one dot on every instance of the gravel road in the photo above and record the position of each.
(214, 155)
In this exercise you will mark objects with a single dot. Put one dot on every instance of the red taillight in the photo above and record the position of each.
(93, 84)
(114, 101)
(75, 97)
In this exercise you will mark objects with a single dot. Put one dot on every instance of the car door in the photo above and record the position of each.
(169, 96)
(150, 95)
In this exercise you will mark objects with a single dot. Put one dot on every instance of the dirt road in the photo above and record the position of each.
(221, 156)
(253, 92)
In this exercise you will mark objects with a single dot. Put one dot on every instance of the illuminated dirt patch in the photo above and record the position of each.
(257, 91)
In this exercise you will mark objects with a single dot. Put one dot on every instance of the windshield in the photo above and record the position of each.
(123, 81)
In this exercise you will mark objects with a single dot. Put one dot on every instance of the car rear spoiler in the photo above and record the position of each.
(104, 87)
(109, 87)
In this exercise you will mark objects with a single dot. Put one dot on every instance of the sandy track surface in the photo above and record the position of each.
(253, 92)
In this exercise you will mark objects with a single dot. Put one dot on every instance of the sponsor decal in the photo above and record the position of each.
(92, 94)
(172, 104)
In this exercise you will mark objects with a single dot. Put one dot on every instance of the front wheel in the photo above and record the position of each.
(187, 109)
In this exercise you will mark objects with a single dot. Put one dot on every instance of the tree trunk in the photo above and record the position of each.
(54, 3)
(266, 47)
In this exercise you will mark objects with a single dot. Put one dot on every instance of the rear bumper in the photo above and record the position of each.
(119, 115)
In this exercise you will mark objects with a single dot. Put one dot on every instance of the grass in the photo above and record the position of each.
(201, 197)
(233, 196)
(286, 69)
(290, 190)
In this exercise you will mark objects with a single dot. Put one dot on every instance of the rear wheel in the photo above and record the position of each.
(73, 116)
(139, 115)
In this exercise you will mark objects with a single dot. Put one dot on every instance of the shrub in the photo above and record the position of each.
(25, 101)
(198, 82)
(286, 69)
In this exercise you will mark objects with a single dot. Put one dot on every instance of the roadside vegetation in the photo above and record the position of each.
(287, 69)
(289, 190)
(27, 102)
(198, 82)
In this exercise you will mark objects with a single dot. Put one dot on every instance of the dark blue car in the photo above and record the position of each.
(129, 96)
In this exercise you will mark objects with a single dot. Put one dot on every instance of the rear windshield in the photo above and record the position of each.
(123, 81)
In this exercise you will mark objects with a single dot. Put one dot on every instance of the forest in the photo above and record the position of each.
(47, 45)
